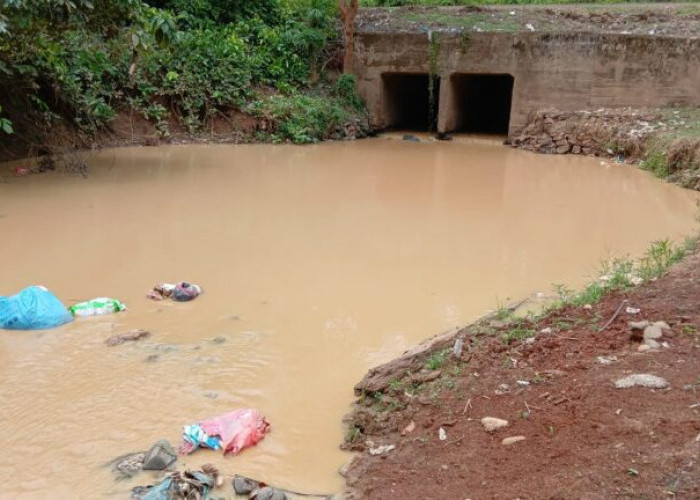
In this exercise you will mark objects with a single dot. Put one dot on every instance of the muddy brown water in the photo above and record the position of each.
(317, 262)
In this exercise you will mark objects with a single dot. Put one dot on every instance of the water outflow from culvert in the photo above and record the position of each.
(317, 263)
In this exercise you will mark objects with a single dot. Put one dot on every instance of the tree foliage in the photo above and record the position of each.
(83, 60)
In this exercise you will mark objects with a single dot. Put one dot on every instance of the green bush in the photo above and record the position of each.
(83, 61)
(300, 118)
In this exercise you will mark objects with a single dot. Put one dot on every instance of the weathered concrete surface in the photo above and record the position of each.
(566, 71)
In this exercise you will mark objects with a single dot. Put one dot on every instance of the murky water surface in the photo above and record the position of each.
(317, 263)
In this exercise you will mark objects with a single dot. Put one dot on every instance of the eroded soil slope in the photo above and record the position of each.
(583, 437)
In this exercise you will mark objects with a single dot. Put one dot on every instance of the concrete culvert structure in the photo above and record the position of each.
(407, 101)
(482, 102)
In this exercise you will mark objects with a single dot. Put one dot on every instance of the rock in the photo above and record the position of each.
(653, 332)
(638, 325)
(512, 440)
(652, 343)
(546, 330)
(160, 456)
(641, 380)
(576, 150)
(632, 310)
(442, 434)
(381, 449)
(457, 349)
(663, 325)
(268, 493)
(492, 424)
(606, 360)
(130, 336)
(644, 348)
(127, 466)
(243, 485)
(588, 307)
(411, 138)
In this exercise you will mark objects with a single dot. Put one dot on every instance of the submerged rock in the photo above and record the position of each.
(126, 466)
(268, 493)
(130, 336)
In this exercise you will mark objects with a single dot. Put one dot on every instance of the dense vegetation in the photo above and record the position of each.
(175, 61)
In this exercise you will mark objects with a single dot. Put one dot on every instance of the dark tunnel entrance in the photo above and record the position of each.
(482, 102)
(407, 101)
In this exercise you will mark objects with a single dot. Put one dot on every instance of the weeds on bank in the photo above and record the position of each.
(354, 434)
(624, 273)
(616, 275)
(437, 359)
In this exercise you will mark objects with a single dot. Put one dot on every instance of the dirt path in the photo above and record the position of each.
(631, 19)
(583, 437)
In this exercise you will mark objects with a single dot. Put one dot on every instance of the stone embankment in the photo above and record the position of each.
(664, 141)
(599, 132)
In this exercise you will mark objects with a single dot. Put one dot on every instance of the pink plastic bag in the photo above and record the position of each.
(235, 431)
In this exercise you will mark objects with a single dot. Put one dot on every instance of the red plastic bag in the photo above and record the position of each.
(235, 431)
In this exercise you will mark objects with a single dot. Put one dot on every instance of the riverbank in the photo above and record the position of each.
(418, 420)
(664, 141)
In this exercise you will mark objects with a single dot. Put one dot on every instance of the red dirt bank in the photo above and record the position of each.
(584, 438)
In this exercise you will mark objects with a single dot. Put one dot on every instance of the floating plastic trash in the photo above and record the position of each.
(180, 292)
(231, 432)
(34, 308)
(96, 307)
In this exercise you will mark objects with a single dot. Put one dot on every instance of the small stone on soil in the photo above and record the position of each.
(652, 343)
(512, 440)
(653, 332)
(491, 424)
(606, 360)
(381, 449)
(641, 380)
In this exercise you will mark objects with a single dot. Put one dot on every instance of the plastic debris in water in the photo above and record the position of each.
(231, 432)
(34, 308)
(96, 307)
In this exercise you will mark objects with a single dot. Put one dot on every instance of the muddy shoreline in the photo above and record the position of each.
(417, 422)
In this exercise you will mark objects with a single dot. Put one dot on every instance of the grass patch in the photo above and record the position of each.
(659, 257)
(437, 359)
(518, 333)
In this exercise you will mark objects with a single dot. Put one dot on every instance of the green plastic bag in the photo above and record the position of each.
(94, 307)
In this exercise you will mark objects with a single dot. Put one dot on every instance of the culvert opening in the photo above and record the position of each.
(482, 102)
(411, 103)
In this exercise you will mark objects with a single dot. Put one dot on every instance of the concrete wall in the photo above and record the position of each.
(565, 71)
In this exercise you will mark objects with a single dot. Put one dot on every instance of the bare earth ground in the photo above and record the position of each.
(681, 19)
(583, 437)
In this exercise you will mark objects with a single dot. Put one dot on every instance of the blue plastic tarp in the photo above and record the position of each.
(34, 308)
